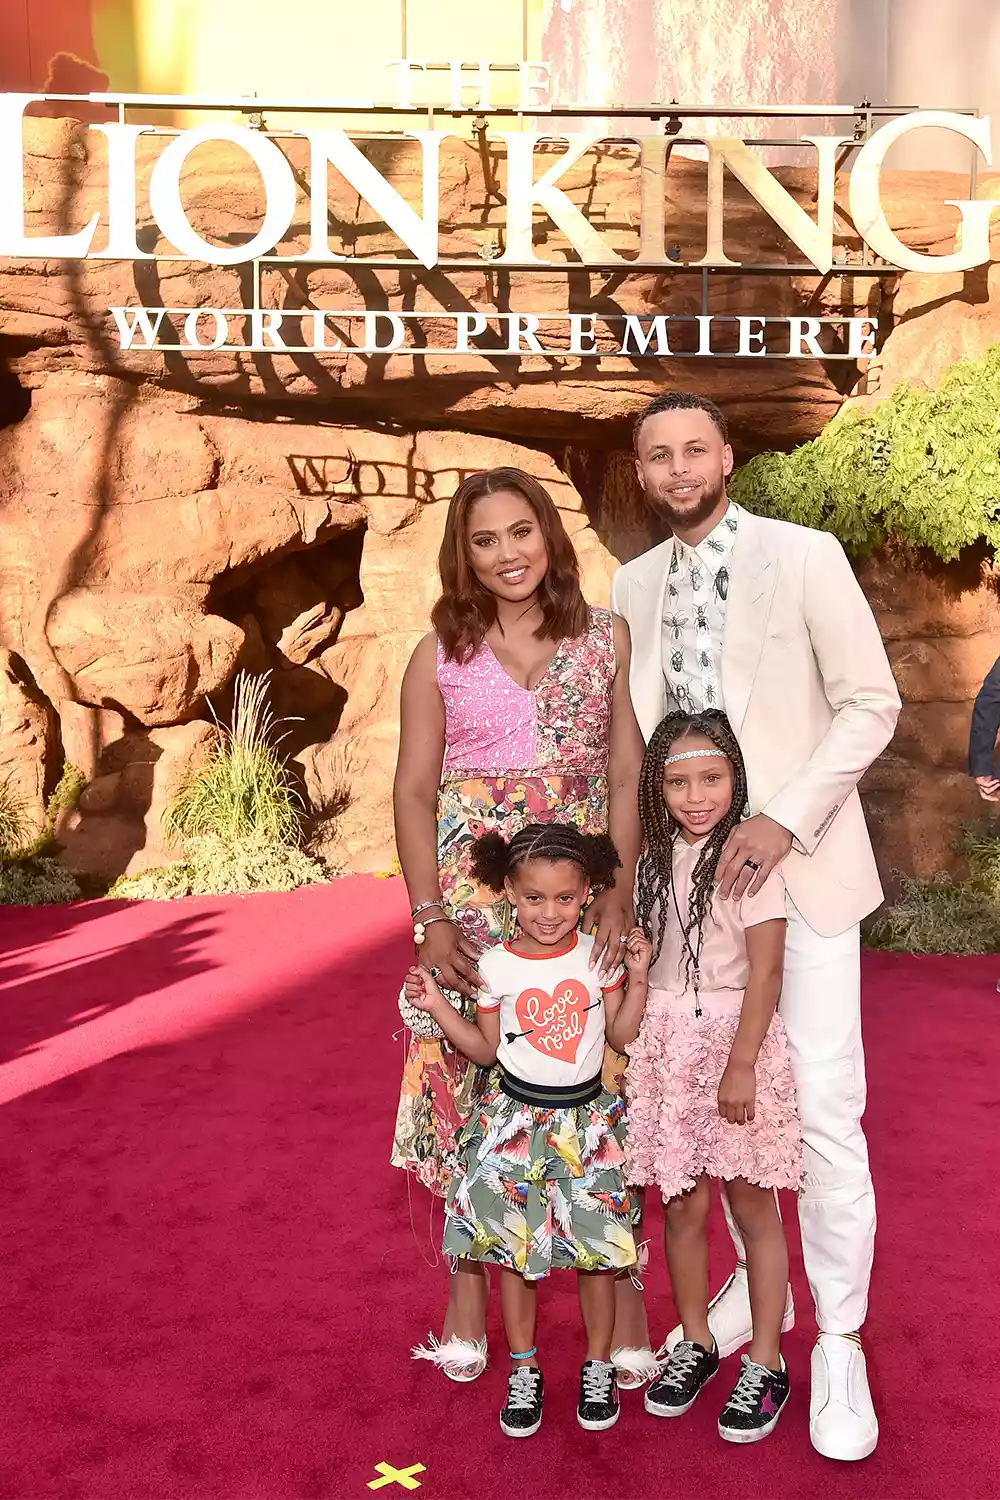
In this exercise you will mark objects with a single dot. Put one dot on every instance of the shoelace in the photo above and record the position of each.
(682, 1363)
(597, 1381)
(748, 1389)
(521, 1388)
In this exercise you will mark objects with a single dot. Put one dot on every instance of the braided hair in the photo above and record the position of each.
(659, 831)
(494, 859)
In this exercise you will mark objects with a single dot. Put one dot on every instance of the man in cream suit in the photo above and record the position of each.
(767, 621)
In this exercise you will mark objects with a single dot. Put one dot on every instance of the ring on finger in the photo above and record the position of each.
(435, 972)
(751, 864)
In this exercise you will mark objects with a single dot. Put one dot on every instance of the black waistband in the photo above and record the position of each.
(548, 1095)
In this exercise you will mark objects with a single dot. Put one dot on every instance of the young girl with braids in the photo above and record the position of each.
(709, 1081)
(538, 1179)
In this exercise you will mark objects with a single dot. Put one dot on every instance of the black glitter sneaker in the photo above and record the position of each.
(756, 1403)
(676, 1389)
(522, 1412)
(598, 1406)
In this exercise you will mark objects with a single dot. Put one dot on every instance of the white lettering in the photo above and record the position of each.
(319, 333)
(168, 211)
(704, 333)
(128, 319)
(335, 148)
(13, 240)
(804, 331)
(265, 324)
(468, 325)
(532, 85)
(521, 330)
(865, 197)
(396, 324)
(861, 338)
(122, 243)
(523, 192)
(191, 328)
(581, 326)
(644, 336)
(751, 338)
(406, 66)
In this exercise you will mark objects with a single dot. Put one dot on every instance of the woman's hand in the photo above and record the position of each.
(638, 954)
(738, 1093)
(610, 918)
(452, 958)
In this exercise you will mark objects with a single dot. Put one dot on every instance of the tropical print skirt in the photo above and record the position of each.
(537, 1190)
(439, 1084)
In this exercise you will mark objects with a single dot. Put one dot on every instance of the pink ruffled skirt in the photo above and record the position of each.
(675, 1131)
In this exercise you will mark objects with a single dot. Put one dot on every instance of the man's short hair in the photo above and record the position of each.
(680, 401)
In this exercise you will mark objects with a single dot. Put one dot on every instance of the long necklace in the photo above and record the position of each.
(693, 954)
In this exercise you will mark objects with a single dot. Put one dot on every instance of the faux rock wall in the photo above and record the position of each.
(166, 522)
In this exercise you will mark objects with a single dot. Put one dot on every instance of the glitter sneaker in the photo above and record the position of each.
(598, 1407)
(688, 1368)
(522, 1412)
(757, 1402)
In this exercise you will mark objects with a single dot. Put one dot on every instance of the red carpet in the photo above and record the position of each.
(211, 1285)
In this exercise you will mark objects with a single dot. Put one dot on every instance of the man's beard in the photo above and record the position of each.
(689, 517)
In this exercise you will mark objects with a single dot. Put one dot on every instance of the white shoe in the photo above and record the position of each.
(729, 1317)
(460, 1359)
(842, 1421)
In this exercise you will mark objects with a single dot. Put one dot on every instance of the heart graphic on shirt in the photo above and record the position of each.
(554, 1023)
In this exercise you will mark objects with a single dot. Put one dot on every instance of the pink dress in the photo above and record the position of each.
(513, 755)
(675, 1131)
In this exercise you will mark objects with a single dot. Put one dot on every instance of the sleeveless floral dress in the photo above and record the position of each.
(513, 756)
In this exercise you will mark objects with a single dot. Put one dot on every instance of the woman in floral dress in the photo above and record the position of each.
(514, 710)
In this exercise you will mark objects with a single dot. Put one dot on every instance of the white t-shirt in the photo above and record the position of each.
(551, 1011)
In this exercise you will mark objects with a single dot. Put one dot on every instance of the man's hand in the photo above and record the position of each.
(610, 918)
(760, 840)
(988, 788)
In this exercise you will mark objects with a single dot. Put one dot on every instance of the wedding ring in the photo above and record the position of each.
(751, 864)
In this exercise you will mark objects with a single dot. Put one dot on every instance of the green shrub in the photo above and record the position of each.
(13, 820)
(37, 881)
(943, 915)
(219, 867)
(243, 790)
(921, 467)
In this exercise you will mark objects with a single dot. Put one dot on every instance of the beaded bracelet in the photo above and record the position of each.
(419, 932)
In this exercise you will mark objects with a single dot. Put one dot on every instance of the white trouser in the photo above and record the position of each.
(821, 1008)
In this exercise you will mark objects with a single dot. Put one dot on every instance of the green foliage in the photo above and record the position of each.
(67, 793)
(13, 820)
(236, 817)
(921, 467)
(36, 882)
(243, 790)
(944, 915)
(213, 866)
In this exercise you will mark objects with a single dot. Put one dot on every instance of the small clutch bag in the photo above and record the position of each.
(419, 1022)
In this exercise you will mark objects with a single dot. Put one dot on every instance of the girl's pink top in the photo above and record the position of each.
(562, 726)
(724, 962)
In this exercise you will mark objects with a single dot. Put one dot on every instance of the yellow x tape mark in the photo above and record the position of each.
(396, 1476)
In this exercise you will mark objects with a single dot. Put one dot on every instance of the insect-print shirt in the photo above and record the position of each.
(551, 1010)
(694, 616)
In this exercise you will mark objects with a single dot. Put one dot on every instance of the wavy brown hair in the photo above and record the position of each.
(466, 610)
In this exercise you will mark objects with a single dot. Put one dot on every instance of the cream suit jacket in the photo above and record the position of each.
(807, 687)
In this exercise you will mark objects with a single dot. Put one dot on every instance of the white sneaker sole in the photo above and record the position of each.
(735, 1435)
(598, 1426)
(519, 1431)
(677, 1411)
(846, 1455)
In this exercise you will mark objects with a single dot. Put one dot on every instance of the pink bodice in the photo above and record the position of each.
(493, 726)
